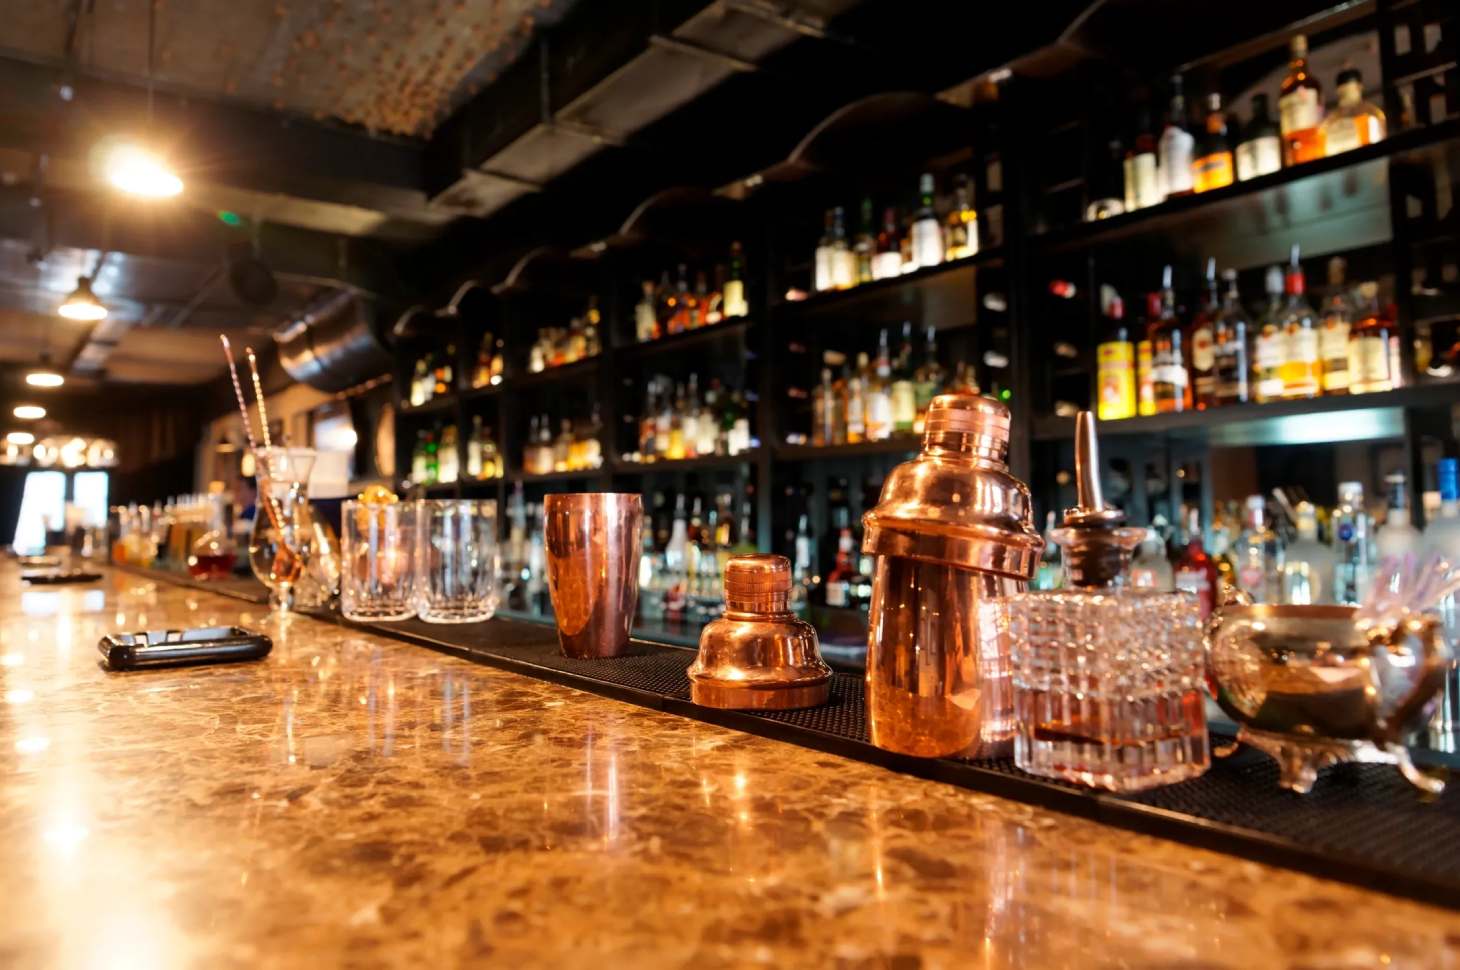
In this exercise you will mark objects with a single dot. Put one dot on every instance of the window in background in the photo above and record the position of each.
(42, 506)
(90, 495)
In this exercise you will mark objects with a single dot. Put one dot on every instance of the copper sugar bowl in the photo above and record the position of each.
(953, 535)
(759, 655)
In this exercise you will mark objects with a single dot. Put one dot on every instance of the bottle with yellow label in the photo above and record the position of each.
(1145, 380)
(1213, 166)
(1115, 361)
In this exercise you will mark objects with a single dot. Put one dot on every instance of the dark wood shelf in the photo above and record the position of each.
(477, 393)
(480, 484)
(439, 489)
(1176, 212)
(690, 338)
(889, 291)
(621, 467)
(1054, 428)
(562, 372)
(896, 445)
(557, 476)
(437, 404)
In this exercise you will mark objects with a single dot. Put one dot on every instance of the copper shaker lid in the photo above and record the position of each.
(758, 655)
(956, 503)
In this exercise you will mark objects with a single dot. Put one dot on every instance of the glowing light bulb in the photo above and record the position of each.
(20, 438)
(29, 412)
(82, 304)
(44, 378)
(138, 172)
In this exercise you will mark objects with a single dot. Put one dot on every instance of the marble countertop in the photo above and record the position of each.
(357, 801)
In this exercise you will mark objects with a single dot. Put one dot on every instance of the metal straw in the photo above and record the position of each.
(238, 392)
(258, 392)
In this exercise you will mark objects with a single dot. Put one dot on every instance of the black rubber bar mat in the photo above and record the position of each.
(1361, 824)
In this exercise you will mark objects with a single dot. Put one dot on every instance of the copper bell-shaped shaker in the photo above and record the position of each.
(953, 534)
(759, 655)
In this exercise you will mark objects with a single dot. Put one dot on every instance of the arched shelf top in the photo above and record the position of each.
(677, 215)
(538, 265)
(881, 130)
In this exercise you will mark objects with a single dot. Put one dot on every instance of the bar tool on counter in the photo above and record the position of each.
(758, 655)
(1107, 679)
(953, 533)
(1313, 686)
(592, 541)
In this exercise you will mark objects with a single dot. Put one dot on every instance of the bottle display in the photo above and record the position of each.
(717, 294)
(1300, 108)
(678, 422)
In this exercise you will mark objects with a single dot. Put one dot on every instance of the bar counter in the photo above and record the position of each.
(353, 800)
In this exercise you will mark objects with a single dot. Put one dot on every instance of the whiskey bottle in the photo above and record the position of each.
(1203, 344)
(843, 260)
(864, 247)
(879, 394)
(821, 279)
(1196, 572)
(1115, 364)
(1270, 346)
(1371, 365)
(904, 398)
(1302, 368)
(1261, 149)
(856, 411)
(928, 383)
(962, 221)
(646, 323)
(1230, 339)
(1145, 389)
(690, 421)
(887, 260)
(1213, 166)
(1170, 380)
(1176, 147)
(926, 232)
(1142, 168)
(421, 383)
(1336, 320)
(1355, 122)
(1300, 108)
(733, 302)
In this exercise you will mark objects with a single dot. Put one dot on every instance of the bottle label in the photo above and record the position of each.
(1344, 136)
(1116, 376)
(1147, 182)
(1145, 383)
(734, 300)
(1300, 368)
(1196, 581)
(1260, 156)
(1176, 148)
(927, 243)
(1203, 350)
(1369, 360)
(1333, 346)
(886, 265)
(1299, 110)
(836, 594)
(843, 269)
(821, 277)
(1212, 171)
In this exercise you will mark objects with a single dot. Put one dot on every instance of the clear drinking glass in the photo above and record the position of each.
(1108, 686)
(377, 581)
(456, 560)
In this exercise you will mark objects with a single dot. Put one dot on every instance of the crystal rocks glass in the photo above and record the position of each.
(456, 560)
(377, 581)
(1108, 686)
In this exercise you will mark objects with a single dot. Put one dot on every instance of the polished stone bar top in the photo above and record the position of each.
(358, 801)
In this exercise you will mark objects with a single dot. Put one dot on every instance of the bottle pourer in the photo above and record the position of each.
(1094, 541)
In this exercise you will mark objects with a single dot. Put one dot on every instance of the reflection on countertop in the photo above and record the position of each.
(354, 800)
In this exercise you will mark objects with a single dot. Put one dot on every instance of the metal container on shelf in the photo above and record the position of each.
(759, 655)
(953, 534)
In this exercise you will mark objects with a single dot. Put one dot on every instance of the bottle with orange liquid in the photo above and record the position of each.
(1300, 108)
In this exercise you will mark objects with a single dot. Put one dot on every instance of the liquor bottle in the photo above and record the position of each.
(1230, 338)
(1115, 365)
(1103, 187)
(879, 394)
(738, 433)
(689, 422)
(926, 232)
(1258, 555)
(733, 302)
(1049, 574)
(491, 456)
(421, 383)
(1212, 168)
(1142, 169)
(1203, 344)
(1308, 565)
(1149, 568)
(1350, 541)
(683, 318)
(1442, 530)
(962, 221)
(1302, 368)
(839, 581)
(1176, 147)
(930, 377)
(1270, 347)
(474, 449)
(821, 279)
(856, 411)
(843, 260)
(709, 441)
(646, 323)
(837, 409)
(864, 247)
(805, 577)
(1300, 108)
(676, 426)
(1335, 323)
(676, 562)
(663, 421)
(1196, 572)
(887, 260)
(1355, 122)
(821, 411)
(433, 459)
(1397, 536)
(1371, 363)
(418, 459)
(446, 370)
(1261, 149)
(904, 397)
(1170, 385)
(1145, 386)
(562, 447)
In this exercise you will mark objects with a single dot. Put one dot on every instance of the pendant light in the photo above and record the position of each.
(82, 304)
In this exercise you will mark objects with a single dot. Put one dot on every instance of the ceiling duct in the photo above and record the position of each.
(333, 345)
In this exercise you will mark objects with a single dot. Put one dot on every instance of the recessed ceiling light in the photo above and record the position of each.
(29, 412)
(20, 438)
(82, 304)
(44, 378)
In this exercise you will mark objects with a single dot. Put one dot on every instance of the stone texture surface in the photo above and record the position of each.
(353, 801)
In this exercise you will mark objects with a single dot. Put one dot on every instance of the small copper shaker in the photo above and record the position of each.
(759, 655)
(953, 535)
(592, 542)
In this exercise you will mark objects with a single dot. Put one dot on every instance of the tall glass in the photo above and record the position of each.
(456, 560)
(377, 580)
(281, 547)
(592, 541)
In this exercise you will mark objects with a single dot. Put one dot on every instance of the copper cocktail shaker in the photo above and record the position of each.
(759, 655)
(592, 541)
(953, 533)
